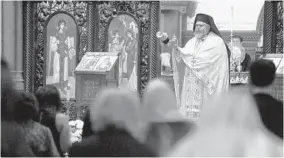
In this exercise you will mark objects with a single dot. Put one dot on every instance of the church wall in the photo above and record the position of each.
(12, 39)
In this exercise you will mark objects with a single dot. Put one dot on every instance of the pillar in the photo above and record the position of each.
(12, 39)
(29, 8)
(91, 26)
(18, 73)
(154, 26)
(269, 40)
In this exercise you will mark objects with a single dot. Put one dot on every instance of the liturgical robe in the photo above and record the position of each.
(201, 70)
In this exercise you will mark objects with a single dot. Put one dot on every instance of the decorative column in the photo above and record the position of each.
(279, 28)
(96, 26)
(29, 54)
(269, 27)
(91, 26)
(154, 18)
(18, 74)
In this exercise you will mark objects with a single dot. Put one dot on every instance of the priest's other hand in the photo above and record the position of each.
(175, 46)
(178, 49)
(177, 52)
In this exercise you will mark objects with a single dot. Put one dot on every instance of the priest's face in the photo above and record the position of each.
(201, 29)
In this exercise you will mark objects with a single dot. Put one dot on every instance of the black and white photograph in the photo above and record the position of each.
(131, 78)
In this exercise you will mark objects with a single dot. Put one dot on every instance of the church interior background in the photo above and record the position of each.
(37, 34)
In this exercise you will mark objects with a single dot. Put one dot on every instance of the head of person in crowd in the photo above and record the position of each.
(25, 106)
(114, 119)
(6, 77)
(117, 108)
(12, 138)
(232, 121)
(159, 103)
(50, 115)
(166, 125)
(49, 99)
(262, 75)
(7, 91)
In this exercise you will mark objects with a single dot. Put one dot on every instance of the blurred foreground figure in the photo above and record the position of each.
(262, 75)
(166, 124)
(50, 116)
(12, 139)
(37, 136)
(115, 120)
(7, 91)
(230, 125)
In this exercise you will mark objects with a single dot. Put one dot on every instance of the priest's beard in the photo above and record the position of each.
(201, 33)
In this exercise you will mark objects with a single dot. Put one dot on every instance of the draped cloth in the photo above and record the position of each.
(232, 121)
(200, 70)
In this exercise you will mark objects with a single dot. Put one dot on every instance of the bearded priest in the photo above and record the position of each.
(201, 68)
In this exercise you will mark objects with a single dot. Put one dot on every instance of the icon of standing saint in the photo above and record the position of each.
(61, 56)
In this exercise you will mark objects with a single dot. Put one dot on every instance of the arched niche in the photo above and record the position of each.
(61, 53)
(146, 15)
(123, 36)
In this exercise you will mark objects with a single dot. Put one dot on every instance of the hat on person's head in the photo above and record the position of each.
(203, 18)
(207, 19)
(262, 72)
(213, 28)
(25, 106)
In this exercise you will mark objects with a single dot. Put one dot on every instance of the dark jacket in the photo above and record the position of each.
(48, 120)
(246, 63)
(111, 142)
(87, 130)
(179, 130)
(271, 111)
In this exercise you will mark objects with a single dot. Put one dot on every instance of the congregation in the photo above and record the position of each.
(246, 121)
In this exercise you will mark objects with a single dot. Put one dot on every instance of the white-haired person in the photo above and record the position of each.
(230, 126)
(115, 120)
(166, 125)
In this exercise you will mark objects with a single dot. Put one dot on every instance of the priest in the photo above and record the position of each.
(201, 68)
